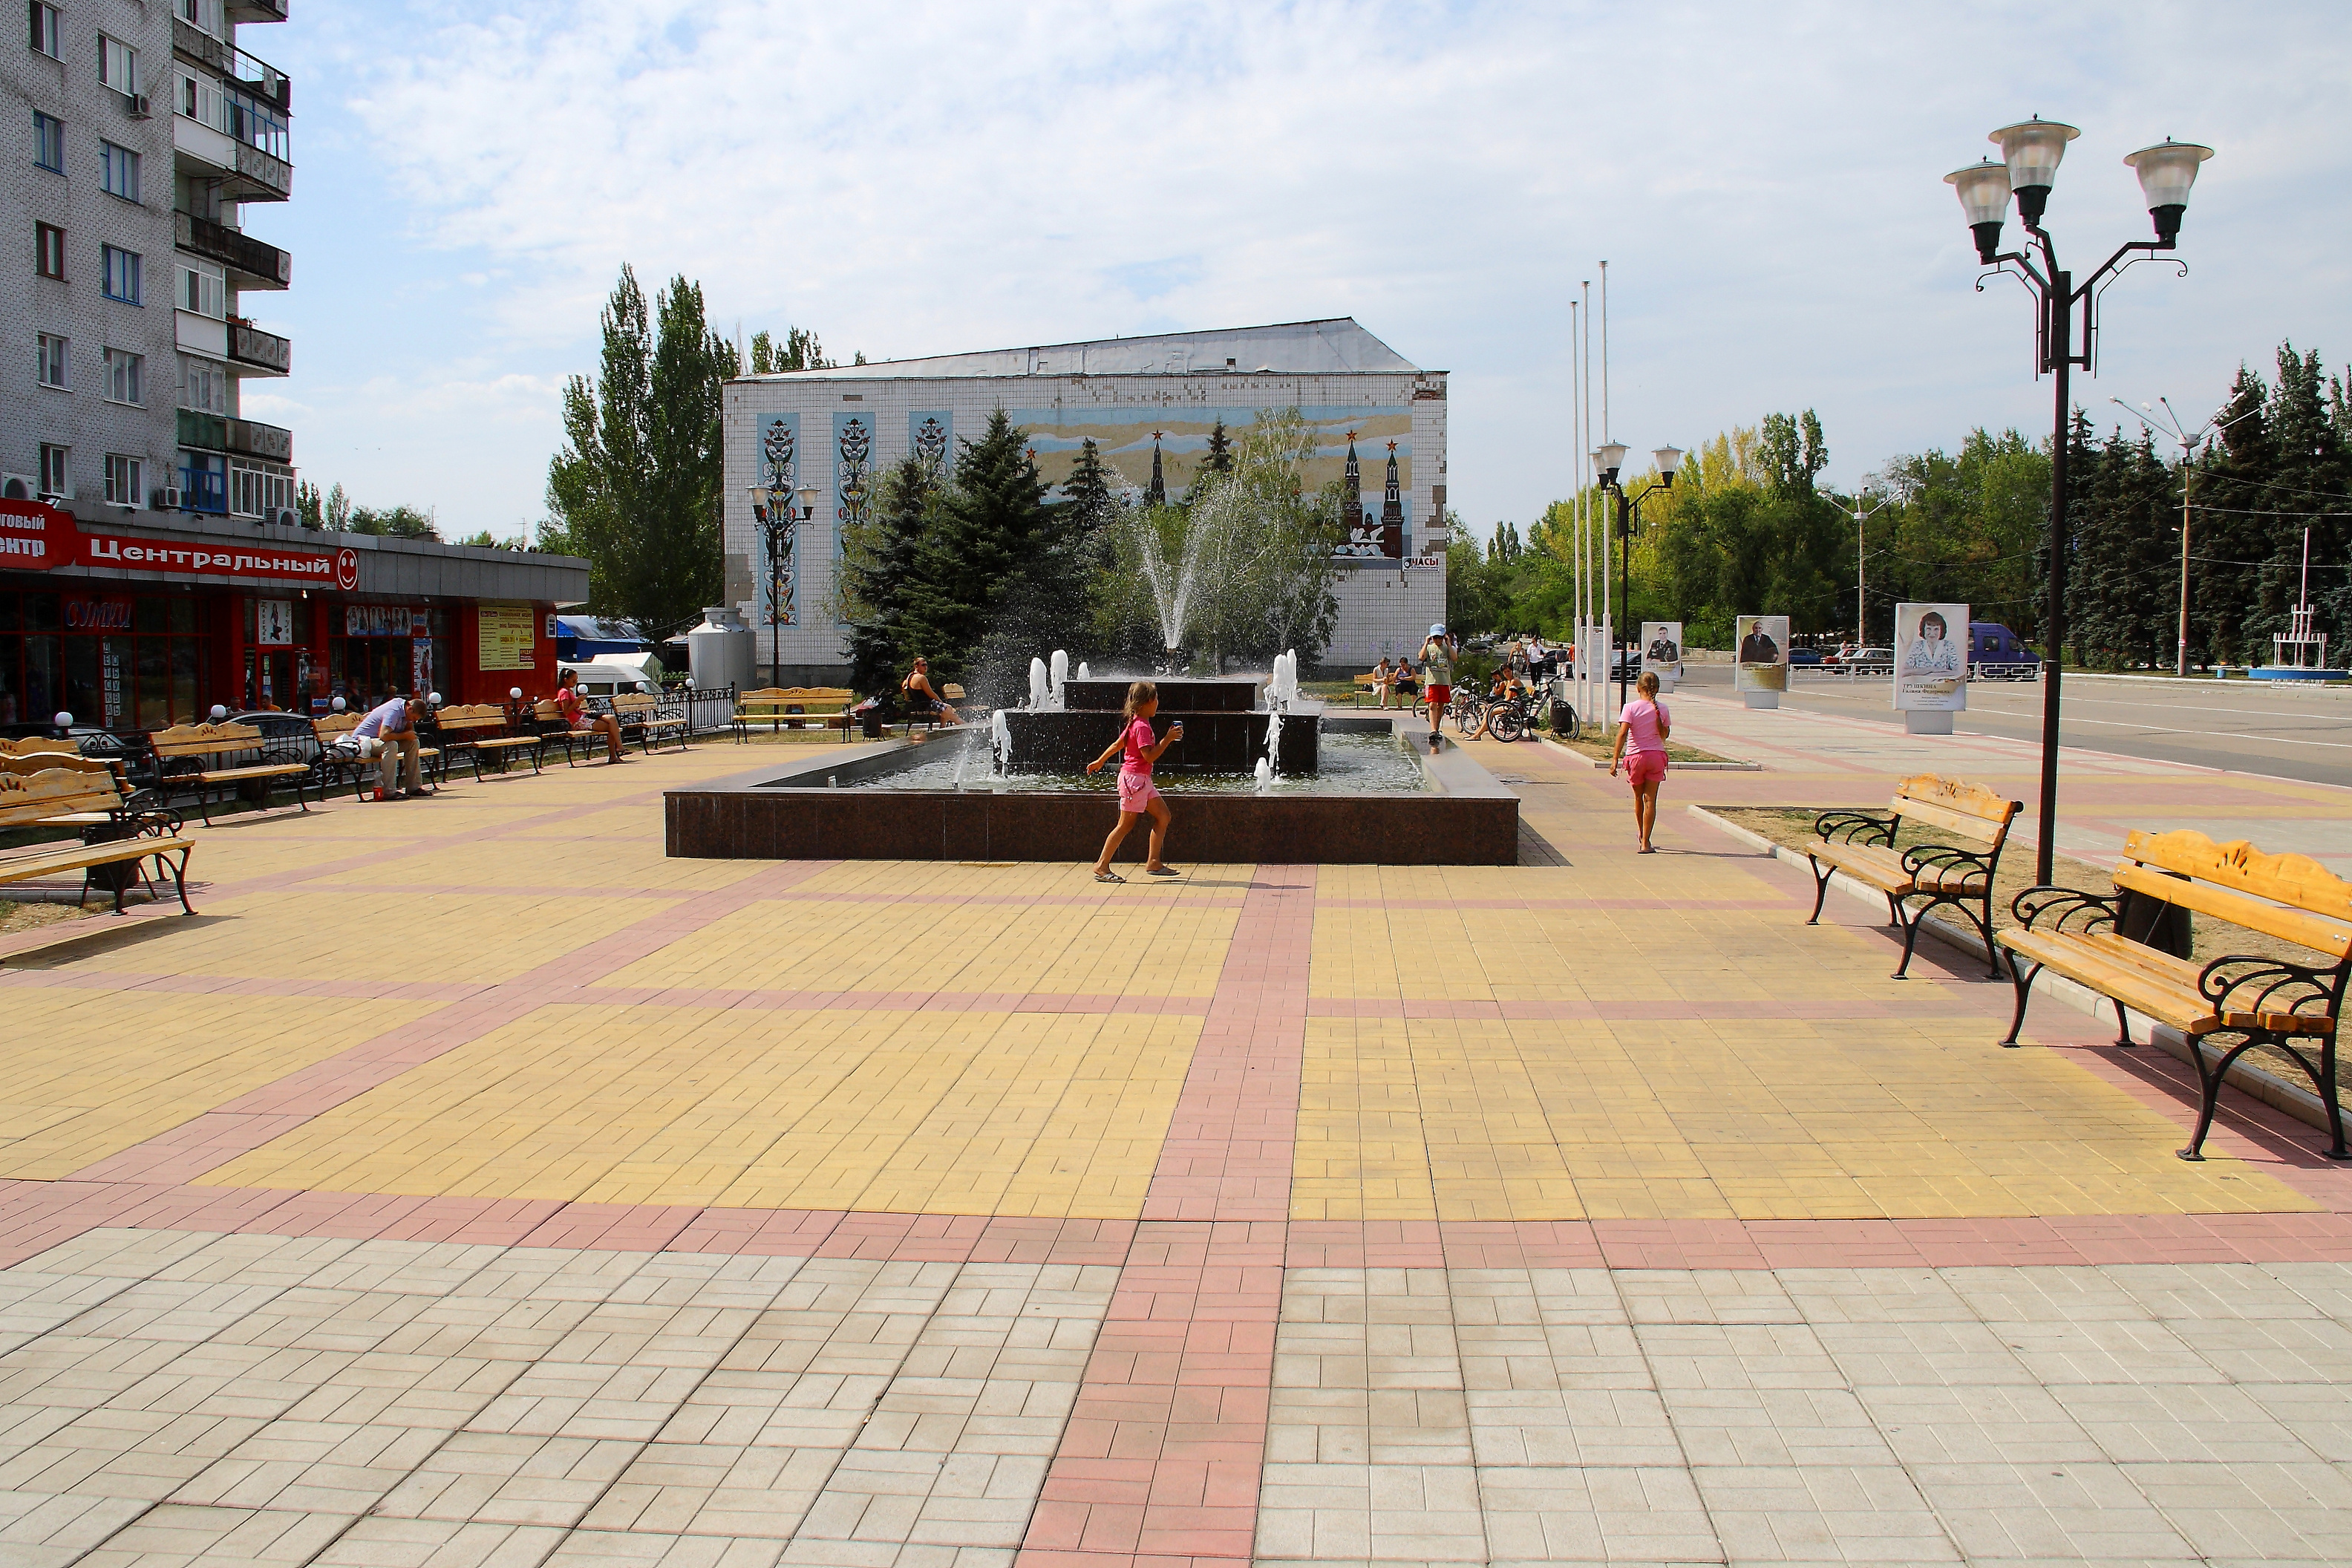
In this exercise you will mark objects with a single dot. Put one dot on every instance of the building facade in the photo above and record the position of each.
(1149, 405)
(135, 622)
(146, 136)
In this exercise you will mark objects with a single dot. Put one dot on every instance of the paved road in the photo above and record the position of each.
(2283, 732)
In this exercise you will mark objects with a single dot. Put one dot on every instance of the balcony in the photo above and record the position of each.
(202, 489)
(254, 264)
(235, 137)
(245, 437)
(259, 77)
(260, 353)
(256, 10)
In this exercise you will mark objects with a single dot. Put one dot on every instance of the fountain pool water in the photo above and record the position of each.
(1376, 763)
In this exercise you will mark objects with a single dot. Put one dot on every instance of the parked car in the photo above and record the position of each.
(286, 737)
(1850, 654)
(1996, 653)
(1625, 664)
(1805, 656)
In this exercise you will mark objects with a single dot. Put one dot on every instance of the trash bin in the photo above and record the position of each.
(869, 721)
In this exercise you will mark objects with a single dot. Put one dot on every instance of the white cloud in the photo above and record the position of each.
(924, 178)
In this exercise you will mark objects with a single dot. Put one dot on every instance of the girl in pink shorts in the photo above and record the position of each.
(1137, 795)
(1645, 725)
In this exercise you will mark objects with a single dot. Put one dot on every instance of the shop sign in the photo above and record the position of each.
(312, 567)
(98, 615)
(35, 537)
(507, 639)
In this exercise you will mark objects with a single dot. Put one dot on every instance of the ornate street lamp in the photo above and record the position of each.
(780, 512)
(1609, 459)
(2030, 152)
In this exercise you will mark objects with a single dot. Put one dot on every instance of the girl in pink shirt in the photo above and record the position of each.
(1137, 795)
(1645, 725)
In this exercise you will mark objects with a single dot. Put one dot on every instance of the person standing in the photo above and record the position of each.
(1137, 796)
(389, 734)
(1645, 725)
(1436, 673)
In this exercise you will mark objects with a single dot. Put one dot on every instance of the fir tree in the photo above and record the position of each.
(1216, 462)
(881, 577)
(987, 524)
(1087, 489)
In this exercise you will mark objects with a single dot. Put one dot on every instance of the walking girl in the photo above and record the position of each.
(1645, 725)
(1137, 795)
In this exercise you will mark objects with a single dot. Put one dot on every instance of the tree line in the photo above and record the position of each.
(1748, 528)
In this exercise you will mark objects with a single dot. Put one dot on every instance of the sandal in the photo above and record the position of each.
(1162, 871)
(1108, 876)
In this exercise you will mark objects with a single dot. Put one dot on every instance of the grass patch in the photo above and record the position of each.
(15, 916)
(1598, 750)
(2208, 939)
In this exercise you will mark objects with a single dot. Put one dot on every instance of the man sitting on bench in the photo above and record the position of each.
(389, 734)
(567, 702)
(920, 696)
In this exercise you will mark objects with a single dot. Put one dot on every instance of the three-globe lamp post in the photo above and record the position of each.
(1609, 459)
(2030, 155)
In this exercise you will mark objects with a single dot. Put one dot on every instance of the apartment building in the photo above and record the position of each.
(146, 139)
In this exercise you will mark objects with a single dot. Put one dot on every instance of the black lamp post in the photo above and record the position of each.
(779, 519)
(1609, 459)
(2030, 155)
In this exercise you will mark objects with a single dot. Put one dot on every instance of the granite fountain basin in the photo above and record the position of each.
(1383, 799)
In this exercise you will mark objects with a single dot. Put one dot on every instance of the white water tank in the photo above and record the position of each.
(719, 651)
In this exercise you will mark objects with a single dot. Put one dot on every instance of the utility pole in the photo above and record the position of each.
(2188, 441)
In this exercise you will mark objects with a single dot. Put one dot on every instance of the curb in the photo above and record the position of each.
(2273, 1092)
(1676, 767)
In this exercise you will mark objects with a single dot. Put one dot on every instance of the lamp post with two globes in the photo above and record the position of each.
(1609, 459)
(2030, 152)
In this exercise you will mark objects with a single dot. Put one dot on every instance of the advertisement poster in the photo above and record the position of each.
(1931, 658)
(273, 623)
(1662, 648)
(1761, 653)
(507, 636)
(420, 665)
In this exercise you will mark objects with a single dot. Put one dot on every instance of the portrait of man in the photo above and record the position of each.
(1758, 647)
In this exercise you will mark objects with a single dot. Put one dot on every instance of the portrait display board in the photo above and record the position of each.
(1662, 648)
(505, 639)
(1931, 658)
(1760, 652)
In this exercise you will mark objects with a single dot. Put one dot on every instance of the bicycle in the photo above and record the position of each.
(1466, 710)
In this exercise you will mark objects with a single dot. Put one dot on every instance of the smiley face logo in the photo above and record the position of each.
(347, 569)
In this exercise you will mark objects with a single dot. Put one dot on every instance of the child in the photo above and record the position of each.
(1646, 724)
(1135, 793)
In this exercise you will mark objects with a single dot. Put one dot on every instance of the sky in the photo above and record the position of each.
(1766, 183)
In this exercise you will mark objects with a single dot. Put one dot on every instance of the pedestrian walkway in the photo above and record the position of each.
(470, 1184)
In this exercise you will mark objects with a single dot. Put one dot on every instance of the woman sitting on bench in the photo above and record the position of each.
(568, 703)
(920, 696)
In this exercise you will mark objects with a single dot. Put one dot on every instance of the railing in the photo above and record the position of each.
(256, 10)
(247, 437)
(251, 345)
(201, 490)
(222, 243)
(703, 708)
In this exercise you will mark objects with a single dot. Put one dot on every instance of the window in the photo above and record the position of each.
(50, 249)
(203, 385)
(49, 142)
(56, 478)
(126, 375)
(49, 355)
(45, 29)
(203, 14)
(118, 170)
(118, 65)
(204, 289)
(124, 480)
(121, 281)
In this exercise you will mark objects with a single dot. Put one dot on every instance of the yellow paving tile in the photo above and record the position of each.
(89, 1073)
(936, 1112)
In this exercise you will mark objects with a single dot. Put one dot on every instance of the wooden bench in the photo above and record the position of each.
(2260, 999)
(1862, 845)
(486, 728)
(641, 711)
(189, 745)
(334, 761)
(548, 719)
(63, 798)
(926, 715)
(796, 705)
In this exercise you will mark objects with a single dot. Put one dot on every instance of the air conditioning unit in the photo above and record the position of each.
(142, 105)
(17, 487)
(286, 517)
(164, 498)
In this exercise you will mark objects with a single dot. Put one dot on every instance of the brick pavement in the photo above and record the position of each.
(472, 1184)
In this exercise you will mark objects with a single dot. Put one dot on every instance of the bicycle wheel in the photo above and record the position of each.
(1510, 724)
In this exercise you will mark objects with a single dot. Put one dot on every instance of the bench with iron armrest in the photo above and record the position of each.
(190, 756)
(1861, 843)
(794, 707)
(920, 711)
(640, 714)
(485, 728)
(2260, 999)
(25, 758)
(111, 837)
(546, 718)
(335, 764)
